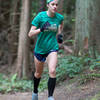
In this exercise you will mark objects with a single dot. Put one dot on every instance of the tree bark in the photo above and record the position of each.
(81, 25)
(13, 34)
(23, 47)
(87, 28)
(94, 27)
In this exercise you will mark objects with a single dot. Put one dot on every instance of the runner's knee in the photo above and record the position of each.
(52, 72)
(37, 75)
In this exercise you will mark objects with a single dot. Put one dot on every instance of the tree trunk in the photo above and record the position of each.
(0, 6)
(82, 26)
(87, 28)
(13, 34)
(94, 27)
(23, 47)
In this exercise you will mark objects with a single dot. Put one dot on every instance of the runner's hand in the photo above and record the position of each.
(45, 26)
(60, 38)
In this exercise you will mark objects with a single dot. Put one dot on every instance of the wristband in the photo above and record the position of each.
(59, 38)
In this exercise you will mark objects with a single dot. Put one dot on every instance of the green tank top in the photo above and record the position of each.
(46, 41)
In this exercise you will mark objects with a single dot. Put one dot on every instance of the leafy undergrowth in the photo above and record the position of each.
(13, 84)
(68, 67)
(96, 97)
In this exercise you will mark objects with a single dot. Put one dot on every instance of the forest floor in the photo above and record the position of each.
(67, 90)
(70, 89)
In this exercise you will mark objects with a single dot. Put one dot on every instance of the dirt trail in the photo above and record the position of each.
(27, 96)
(65, 91)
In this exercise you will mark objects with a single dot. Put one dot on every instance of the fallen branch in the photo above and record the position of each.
(66, 48)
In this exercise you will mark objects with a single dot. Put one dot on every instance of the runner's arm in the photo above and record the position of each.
(59, 34)
(60, 29)
(33, 31)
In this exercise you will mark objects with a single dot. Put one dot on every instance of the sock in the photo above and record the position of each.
(36, 84)
(51, 86)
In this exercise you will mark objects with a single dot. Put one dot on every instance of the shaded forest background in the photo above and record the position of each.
(78, 57)
(11, 27)
(81, 34)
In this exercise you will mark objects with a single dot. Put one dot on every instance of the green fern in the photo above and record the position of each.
(87, 77)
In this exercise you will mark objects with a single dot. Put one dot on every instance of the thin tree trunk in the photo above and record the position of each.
(13, 35)
(0, 6)
(23, 47)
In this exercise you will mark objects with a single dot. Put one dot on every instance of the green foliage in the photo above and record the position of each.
(69, 20)
(94, 63)
(88, 77)
(68, 66)
(71, 65)
(93, 66)
(34, 14)
(96, 97)
(13, 84)
(73, 19)
(69, 42)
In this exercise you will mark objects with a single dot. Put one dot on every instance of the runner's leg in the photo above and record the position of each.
(52, 63)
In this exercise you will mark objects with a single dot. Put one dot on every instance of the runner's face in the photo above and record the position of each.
(52, 6)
